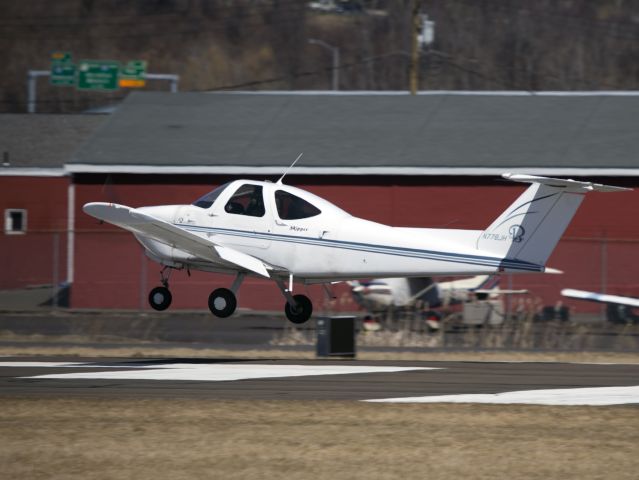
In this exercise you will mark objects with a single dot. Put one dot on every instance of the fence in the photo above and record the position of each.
(109, 270)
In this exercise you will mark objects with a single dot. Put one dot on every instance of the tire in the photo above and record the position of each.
(302, 312)
(160, 298)
(222, 302)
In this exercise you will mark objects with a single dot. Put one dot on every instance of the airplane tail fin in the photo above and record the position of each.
(529, 229)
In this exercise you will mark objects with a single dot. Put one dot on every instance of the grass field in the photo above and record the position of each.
(92, 438)
(97, 438)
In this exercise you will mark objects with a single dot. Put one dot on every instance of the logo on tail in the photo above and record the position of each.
(516, 233)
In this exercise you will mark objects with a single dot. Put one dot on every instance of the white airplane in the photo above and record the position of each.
(286, 234)
(380, 294)
(619, 309)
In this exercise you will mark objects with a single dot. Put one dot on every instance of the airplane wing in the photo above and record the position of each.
(147, 225)
(498, 291)
(600, 297)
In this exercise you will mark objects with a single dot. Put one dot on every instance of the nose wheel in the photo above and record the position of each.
(222, 302)
(160, 298)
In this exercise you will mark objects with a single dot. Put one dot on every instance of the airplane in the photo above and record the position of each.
(380, 294)
(619, 309)
(283, 233)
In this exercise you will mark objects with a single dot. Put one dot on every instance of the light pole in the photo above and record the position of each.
(335, 52)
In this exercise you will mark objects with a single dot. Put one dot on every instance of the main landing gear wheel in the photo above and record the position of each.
(301, 312)
(160, 298)
(222, 302)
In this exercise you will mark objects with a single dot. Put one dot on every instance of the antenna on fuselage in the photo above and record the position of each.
(279, 182)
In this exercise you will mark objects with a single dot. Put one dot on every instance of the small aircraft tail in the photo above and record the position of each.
(530, 228)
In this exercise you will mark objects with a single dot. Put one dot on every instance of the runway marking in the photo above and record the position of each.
(595, 396)
(41, 364)
(222, 372)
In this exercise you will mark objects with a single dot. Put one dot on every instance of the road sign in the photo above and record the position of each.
(133, 74)
(61, 57)
(62, 69)
(98, 75)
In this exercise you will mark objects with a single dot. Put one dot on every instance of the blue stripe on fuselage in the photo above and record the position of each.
(367, 247)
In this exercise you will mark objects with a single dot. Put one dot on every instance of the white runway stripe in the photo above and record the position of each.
(224, 372)
(40, 364)
(564, 396)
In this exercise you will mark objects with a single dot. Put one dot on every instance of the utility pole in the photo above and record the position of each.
(415, 24)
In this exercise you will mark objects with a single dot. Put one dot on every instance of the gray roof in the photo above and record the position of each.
(43, 141)
(434, 132)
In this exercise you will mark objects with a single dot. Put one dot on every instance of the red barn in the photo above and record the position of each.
(430, 160)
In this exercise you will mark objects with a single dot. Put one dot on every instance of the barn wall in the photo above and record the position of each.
(600, 249)
(30, 259)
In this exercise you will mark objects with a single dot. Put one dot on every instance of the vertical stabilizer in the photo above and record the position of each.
(530, 228)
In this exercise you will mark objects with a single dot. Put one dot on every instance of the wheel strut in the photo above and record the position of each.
(298, 308)
(164, 279)
(286, 292)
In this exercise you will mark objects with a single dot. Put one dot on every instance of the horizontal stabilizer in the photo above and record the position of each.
(553, 271)
(569, 185)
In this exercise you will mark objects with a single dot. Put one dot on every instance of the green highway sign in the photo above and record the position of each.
(133, 74)
(62, 69)
(98, 75)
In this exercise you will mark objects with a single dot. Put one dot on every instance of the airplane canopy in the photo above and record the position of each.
(250, 198)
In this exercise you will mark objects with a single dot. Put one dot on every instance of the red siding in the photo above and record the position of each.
(28, 259)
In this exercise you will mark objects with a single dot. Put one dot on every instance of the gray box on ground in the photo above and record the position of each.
(336, 336)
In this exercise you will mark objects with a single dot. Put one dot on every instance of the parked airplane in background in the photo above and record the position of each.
(286, 234)
(380, 294)
(619, 309)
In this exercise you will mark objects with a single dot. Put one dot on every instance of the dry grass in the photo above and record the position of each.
(94, 438)
(151, 351)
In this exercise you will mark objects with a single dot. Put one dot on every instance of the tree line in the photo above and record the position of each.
(264, 45)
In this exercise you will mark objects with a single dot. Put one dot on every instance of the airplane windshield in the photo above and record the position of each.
(207, 200)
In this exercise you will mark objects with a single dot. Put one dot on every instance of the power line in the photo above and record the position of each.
(454, 62)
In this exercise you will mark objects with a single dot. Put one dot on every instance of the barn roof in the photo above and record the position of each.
(41, 144)
(431, 133)
(434, 133)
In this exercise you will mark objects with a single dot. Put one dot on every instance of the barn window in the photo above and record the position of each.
(15, 221)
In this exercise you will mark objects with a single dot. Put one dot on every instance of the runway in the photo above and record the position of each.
(318, 380)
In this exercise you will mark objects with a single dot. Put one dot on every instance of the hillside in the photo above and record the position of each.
(263, 44)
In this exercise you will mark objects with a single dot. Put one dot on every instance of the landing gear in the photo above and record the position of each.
(298, 308)
(301, 311)
(222, 302)
(160, 298)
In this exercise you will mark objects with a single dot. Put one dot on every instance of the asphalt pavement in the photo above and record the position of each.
(251, 379)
